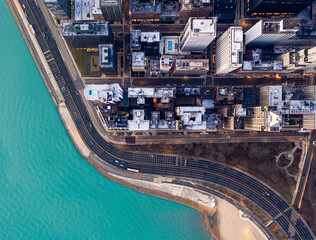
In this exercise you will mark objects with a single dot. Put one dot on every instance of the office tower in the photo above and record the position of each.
(198, 34)
(86, 35)
(150, 43)
(83, 10)
(304, 59)
(96, 10)
(169, 10)
(229, 50)
(135, 39)
(225, 10)
(276, 8)
(112, 10)
(138, 61)
(107, 59)
(271, 96)
(263, 119)
(271, 32)
(290, 60)
(309, 93)
(145, 10)
(60, 8)
(305, 37)
(254, 62)
(194, 8)
(186, 67)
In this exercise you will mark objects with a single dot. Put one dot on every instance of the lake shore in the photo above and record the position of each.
(227, 213)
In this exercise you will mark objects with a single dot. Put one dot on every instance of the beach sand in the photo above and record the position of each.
(229, 225)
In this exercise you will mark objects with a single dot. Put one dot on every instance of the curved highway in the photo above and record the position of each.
(267, 199)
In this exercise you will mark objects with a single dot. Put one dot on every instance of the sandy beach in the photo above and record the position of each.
(229, 225)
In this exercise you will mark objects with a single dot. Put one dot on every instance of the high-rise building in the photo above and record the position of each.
(263, 119)
(276, 8)
(149, 10)
(271, 96)
(110, 94)
(253, 62)
(194, 8)
(138, 61)
(150, 43)
(112, 10)
(290, 60)
(135, 39)
(189, 67)
(198, 34)
(304, 59)
(83, 10)
(305, 37)
(271, 32)
(107, 59)
(96, 10)
(309, 93)
(60, 8)
(307, 58)
(169, 10)
(87, 34)
(229, 50)
(225, 10)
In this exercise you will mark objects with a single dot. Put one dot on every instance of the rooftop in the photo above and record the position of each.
(273, 121)
(106, 52)
(172, 45)
(192, 117)
(192, 64)
(135, 34)
(103, 93)
(150, 37)
(142, 93)
(145, 7)
(203, 25)
(275, 96)
(138, 122)
(85, 28)
(301, 106)
(138, 59)
(170, 9)
(83, 10)
(166, 63)
(257, 64)
(236, 44)
(96, 10)
(279, 26)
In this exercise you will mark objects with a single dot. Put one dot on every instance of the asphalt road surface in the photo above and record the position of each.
(233, 179)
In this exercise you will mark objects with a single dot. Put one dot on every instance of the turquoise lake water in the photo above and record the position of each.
(47, 191)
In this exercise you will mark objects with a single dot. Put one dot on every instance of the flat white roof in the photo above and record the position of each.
(96, 8)
(166, 63)
(151, 92)
(275, 96)
(203, 25)
(138, 59)
(103, 93)
(192, 117)
(192, 64)
(236, 44)
(138, 122)
(83, 10)
(150, 37)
